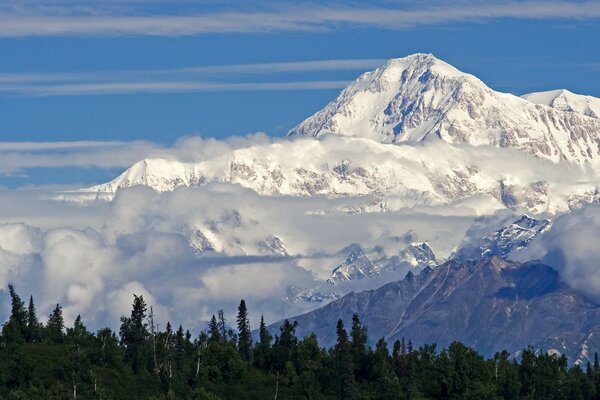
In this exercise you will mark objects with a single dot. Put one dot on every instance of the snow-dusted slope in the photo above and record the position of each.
(419, 98)
(398, 176)
(564, 100)
(506, 240)
(356, 266)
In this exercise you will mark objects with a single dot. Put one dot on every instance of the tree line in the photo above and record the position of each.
(51, 361)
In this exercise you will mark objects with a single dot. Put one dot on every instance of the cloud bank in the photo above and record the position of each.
(93, 257)
(571, 247)
(194, 250)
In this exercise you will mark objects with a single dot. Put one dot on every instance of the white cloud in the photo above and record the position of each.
(92, 257)
(571, 247)
(99, 88)
(40, 21)
(16, 157)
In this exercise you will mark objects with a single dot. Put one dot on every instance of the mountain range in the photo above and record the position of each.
(489, 304)
(416, 133)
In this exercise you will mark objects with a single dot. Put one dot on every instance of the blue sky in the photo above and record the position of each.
(155, 71)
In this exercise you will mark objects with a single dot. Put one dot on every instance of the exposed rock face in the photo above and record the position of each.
(423, 255)
(490, 305)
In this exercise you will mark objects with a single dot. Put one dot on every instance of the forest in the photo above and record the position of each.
(51, 361)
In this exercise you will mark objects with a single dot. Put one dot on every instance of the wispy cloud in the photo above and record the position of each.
(162, 87)
(189, 79)
(284, 18)
(17, 157)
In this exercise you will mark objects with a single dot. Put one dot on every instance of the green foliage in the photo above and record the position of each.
(55, 326)
(244, 334)
(143, 363)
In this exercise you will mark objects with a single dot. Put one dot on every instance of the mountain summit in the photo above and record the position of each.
(420, 98)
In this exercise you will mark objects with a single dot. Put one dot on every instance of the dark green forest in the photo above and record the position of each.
(52, 361)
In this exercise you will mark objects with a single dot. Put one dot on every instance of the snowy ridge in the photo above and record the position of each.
(506, 240)
(565, 100)
(356, 266)
(399, 176)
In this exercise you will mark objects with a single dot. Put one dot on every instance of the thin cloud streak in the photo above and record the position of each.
(188, 79)
(290, 18)
(212, 70)
(164, 87)
(61, 145)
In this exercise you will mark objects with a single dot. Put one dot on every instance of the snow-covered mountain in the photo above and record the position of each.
(414, 132)
(399, 176)
(563, 100)
(356, 266)
(365, 269)
(419, 98)
(506, 240)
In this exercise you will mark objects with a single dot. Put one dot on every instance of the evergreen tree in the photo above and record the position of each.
(34, 328)
(343, 363)
(285, 345)
(78, 333)
(55, 326)
(244, 334)
(222, 323)
(134, 335)
(359, 336)
(262, 350)
(214, 332)
(15, 329)
(180, 348)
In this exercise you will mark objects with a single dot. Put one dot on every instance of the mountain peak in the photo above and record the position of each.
(425, 62)
(419, 98)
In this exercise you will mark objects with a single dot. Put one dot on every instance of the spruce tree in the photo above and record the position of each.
(213, 330)
(55, 326)
(285, 345)
(180, 348)
(244, 335)
(34, 328)
(222, 323)
(262, 350)
(15, 329)
(343, 363)
(359, 347)
(134, 335)
(78, 333)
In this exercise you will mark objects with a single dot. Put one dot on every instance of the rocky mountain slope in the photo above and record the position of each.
(490, 305)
